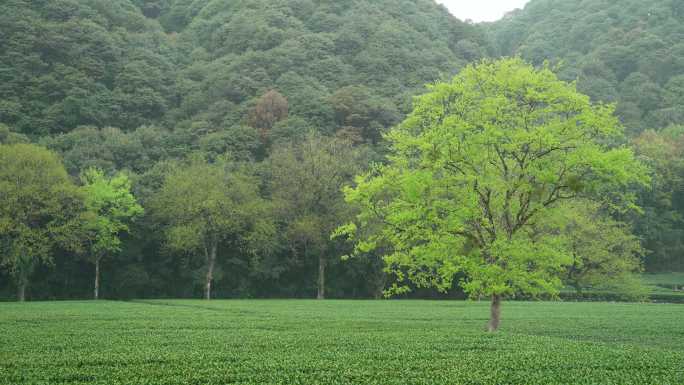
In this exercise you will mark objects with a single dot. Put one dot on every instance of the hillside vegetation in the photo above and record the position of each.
(267, 110)
(629, 52)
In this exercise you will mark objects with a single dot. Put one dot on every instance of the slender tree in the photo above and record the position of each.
(479, 161)
(111, 207)
(204, 206)
(307, 189)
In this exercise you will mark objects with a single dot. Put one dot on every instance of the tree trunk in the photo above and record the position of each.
(210, 270)
(495, 314)
(96, 291)
(379, 291)
(321, 278)
(21, 291)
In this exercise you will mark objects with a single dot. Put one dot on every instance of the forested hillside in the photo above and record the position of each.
(139, 86)
(628, 51)
(236, 125)
(71, 63)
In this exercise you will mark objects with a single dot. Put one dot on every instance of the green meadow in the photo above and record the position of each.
(339, 342)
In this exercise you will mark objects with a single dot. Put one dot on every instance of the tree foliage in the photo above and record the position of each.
(271, 108)
(476, 165)
(606, 253)
(662, 223)
(306, 187)
(39, 208)
(68, 63)
(205, 206)
(111, 207)
(136, 86)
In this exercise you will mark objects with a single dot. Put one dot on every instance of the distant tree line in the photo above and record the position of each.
(239, 223)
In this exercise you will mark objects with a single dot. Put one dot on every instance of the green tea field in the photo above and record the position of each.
(339, 342)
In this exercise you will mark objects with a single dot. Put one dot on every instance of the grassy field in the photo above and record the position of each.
(339, 342)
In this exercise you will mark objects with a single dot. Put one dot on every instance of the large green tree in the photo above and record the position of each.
(111, 207)
(307, 181)
(39, 209)
(474, 167)
(204, 206)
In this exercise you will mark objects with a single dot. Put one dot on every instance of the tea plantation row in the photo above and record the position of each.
(339, 342)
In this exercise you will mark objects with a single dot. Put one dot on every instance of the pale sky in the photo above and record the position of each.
(481, 10)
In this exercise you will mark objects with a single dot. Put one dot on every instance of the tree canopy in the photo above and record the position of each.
(307, 182)
(39, 208)
(476, 165)
(204, 206)
(111, 207)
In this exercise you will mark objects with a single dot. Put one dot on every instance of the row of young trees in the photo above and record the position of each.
(206, 208)
(42, 208)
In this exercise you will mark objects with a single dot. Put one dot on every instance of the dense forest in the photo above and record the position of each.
(200, 147)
